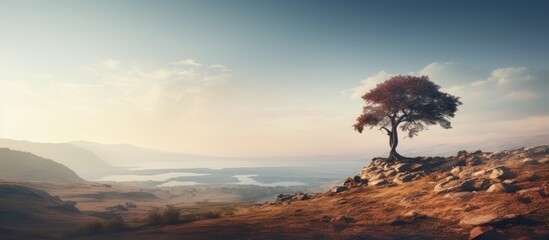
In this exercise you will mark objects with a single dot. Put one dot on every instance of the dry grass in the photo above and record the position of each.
(98, 226)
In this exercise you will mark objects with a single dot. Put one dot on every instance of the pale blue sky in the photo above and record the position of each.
(278, 76)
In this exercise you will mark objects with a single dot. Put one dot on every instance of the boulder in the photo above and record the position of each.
(473, 161)
(467, 173)
(536, 151)
(450, 178)
(415, 215)
(500, 173)
(456, 170)
(495, 220)
(445, 164)
(415, 167)
(485, 233)
(499, 155)
(378, 176)
(479, 183)
(461, 196)
(338, 189)
(479, 173)
(380, 182)
(302, 196)
(510, 181)
(391, 173)
(342, 219)
(502, 188)
(284, 197)
(402, 167)
(453, 186)
(397, 222)
(529, 161)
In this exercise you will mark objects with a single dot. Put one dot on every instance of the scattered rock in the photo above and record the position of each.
(480, 220)
(402, 167)
(501, 188)
(302, 197)
(479, 183)
(450, 178)
(456, 170)
(477, 152)
(396, 222)
(378, 176)
(510, 181)
(414, 167)
(391, 173)
(479, 173)
(536, 151)
(402, 178)
(342, 219)
(283, 198)
(499, 155)
(473, 161)
(467, 173)
(380, 182)
(530, 161)
(500, 173)
(452, 186)
(461, 196)
(462, 153)
(445, 164)
(415, 215)
(495, 220)
(485, 233)
(338, 189)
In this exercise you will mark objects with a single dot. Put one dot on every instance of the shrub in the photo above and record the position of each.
(228, 211)
(167, 216)
(114, 225)
(154, 217)
(170, 214)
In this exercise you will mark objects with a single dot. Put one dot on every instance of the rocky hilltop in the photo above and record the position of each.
(490, 195)
(466, 172)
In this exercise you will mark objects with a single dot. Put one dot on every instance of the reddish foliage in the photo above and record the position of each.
(409, 101)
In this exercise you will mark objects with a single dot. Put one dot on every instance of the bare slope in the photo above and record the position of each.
(85, 163)
(27, 212)
(26, 166)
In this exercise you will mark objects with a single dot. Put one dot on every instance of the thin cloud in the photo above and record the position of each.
(111, 63)
(368, 84)
(521, 95)
(189, 62)
(220, 67)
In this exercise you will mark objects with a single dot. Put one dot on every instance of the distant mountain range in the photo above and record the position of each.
(24, 166)
(486, 145)
(84, 162)
(129, 155)
(92, 161)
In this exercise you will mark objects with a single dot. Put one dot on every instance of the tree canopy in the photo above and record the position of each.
(411, 102)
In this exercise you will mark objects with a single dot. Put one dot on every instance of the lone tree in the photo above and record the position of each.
(412, 102)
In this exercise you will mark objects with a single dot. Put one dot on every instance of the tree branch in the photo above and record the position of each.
(388, 132)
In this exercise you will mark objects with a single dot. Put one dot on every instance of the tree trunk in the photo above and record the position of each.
(394, 142)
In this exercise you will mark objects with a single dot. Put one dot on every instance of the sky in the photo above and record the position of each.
(264, 78)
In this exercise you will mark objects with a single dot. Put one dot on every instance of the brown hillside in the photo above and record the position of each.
(444, 198)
